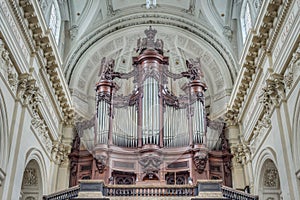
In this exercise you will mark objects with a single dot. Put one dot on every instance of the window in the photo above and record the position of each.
(246, 20)
(54, 22)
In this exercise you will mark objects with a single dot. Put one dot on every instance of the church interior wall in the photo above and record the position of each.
(278, 138)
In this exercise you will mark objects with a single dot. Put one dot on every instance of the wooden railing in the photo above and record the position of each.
(133, 190)
(236, 194)
(67, 194)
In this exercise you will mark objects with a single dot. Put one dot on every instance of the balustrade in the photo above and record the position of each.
(146, 191)
(63, 195)
(149, 191)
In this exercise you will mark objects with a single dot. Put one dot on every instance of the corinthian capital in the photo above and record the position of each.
(60, 152)
(231, 117)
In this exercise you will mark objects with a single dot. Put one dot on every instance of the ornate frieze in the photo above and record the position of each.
(60, 153)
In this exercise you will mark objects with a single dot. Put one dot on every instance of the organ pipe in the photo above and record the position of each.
(151, 114)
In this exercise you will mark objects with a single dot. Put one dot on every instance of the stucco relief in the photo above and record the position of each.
(293, 70)
(270, 176)
(30, 177)
(8, 69)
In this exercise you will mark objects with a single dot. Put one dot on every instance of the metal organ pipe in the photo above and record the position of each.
(198, 123)
(103, 122)
(150, 126)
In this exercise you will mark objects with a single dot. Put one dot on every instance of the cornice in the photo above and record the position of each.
(40, 39)
(124, 22)
(261, 42)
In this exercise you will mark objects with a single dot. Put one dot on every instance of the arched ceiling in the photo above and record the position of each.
(111, 28)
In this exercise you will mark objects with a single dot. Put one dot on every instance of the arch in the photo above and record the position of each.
(267, 183)
(4, 143)
(82, 66)
(145, 19)
(32, 186)
(296, 136)
(35, 155)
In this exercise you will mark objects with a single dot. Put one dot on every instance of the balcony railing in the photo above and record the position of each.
(188, 191)
(145, 191)
(67, 194)
(236, 194)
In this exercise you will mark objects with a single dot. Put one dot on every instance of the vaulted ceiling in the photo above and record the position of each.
(189, 29)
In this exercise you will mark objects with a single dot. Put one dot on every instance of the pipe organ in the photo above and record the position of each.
(150, 133)
(150, 115)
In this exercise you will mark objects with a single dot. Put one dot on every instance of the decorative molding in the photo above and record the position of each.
(40, 41)
(257, 50)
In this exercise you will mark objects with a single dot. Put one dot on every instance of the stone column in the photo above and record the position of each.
(60, 152)
(248, 168)
(232, 134)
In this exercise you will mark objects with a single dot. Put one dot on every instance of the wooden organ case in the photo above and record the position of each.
(150, 136)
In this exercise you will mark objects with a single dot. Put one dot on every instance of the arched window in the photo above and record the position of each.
(246, 20)
(55, 21)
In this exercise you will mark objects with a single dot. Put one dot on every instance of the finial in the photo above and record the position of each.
(150, 33)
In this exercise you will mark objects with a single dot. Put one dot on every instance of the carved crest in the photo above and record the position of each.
(200, 159)
(150, 164)
(100, 163)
